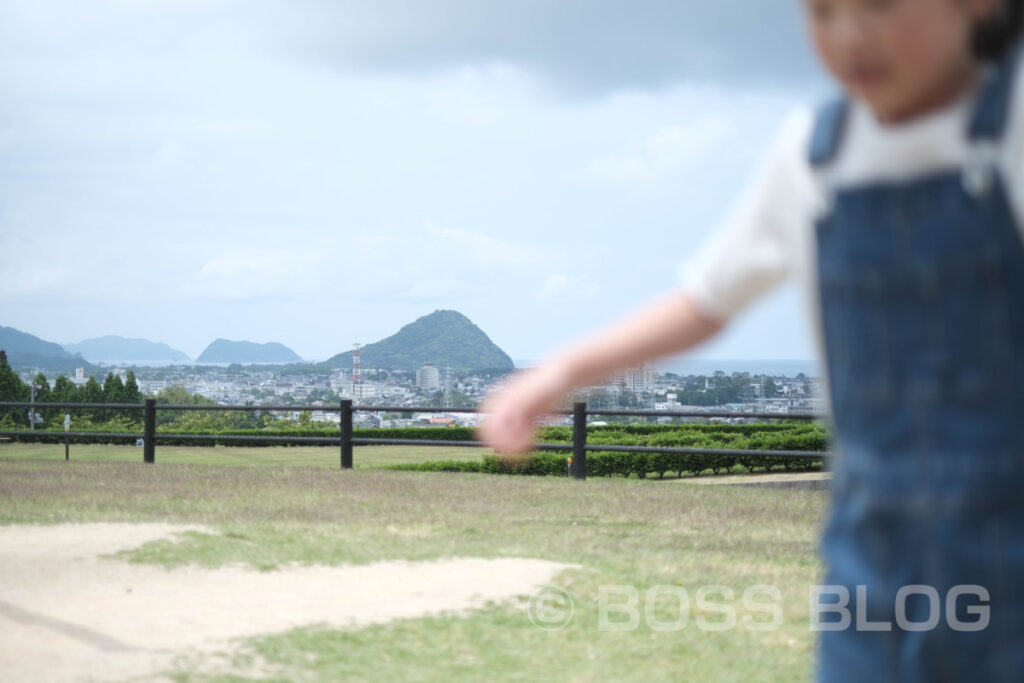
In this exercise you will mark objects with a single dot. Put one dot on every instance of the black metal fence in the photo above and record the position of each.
(346, 440)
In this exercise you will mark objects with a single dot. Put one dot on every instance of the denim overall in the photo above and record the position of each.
(922, 303)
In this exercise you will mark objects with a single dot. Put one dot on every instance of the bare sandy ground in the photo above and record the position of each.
(67, 614)
(808, 480)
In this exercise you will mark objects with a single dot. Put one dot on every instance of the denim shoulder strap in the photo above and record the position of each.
(993, 105)
(829, 124)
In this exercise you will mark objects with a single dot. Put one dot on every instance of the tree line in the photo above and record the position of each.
(113, 390)
(63, 390)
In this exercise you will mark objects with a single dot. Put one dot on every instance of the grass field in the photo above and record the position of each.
(620, 531)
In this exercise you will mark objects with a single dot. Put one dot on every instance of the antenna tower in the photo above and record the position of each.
(448, 387)
(357, 375)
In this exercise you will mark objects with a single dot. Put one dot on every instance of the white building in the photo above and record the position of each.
(365, 390)
(428, 377)
(636, 380)
(790, 406)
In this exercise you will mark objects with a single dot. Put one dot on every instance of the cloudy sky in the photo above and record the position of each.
(322, 172)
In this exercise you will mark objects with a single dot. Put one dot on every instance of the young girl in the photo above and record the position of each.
(901, 205)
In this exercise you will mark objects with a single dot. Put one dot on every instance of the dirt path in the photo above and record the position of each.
(66, 614)
(797, 480)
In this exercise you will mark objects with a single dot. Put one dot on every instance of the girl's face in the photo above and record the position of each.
(903, 58)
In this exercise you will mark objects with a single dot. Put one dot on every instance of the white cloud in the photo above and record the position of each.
(436, 288)
(556, 284)
(169, 154)
(247, 272)
(234, 126)
(483, 249)
(477, 96)
(663, 152)
(34, 280)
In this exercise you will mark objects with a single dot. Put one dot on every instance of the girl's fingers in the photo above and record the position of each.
(508, 425)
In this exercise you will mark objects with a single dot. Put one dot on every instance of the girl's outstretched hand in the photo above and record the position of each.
(668, 325)
(511, 411)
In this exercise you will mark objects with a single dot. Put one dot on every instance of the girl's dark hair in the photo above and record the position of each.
(995, 37)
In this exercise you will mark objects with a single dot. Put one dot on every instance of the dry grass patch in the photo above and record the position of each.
(638, 533)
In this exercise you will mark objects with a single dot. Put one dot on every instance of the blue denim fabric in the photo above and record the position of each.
(922, 302)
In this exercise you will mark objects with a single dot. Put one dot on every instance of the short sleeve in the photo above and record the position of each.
(758, 245)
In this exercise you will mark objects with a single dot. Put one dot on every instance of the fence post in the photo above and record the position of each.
(346, 433)
(579, 440)
(149, 431)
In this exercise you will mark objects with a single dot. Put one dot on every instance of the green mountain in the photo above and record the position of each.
(29, 351)
(226, 351)
(114, 348)
(442, 338)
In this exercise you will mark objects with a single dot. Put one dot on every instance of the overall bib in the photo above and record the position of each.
(922, 308)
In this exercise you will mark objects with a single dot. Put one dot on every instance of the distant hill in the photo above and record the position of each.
(226, 351)
(113, 347)
(25, 350)
(442, 338)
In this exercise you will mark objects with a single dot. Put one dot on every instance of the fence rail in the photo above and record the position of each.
(346, 441)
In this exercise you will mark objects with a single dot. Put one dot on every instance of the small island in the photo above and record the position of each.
(227, 351)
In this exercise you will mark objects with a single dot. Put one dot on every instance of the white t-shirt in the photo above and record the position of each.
(769, 235)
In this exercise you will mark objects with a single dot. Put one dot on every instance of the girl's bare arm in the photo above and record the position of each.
(669, 325)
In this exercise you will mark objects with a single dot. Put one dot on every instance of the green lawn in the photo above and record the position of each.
(621, 531)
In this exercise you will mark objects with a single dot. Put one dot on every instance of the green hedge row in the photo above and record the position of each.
(615, 464)
(648, 429)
